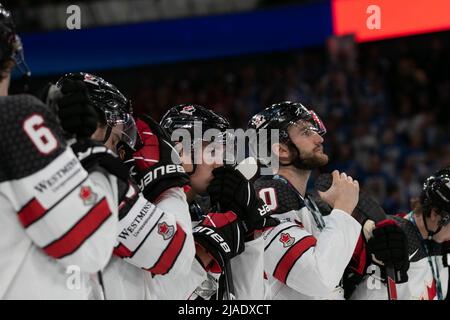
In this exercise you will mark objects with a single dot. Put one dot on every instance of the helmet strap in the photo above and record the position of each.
(430, 233)
(107, 133)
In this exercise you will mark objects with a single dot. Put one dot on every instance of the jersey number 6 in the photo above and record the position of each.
(39, 134)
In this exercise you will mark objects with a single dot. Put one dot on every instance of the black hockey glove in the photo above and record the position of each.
(95, 156)
(75, 110)
(221, 235)
(389, 247)
(232, 191)
(150, 162)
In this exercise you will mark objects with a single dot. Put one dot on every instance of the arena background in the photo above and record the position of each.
(384, 94)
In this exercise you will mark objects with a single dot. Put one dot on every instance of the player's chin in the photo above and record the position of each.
(321, 159)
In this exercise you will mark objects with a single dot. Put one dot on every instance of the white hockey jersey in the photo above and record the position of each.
(153, 245)
(57, 221)
(247, 270)
(307, 253)
(421, 285)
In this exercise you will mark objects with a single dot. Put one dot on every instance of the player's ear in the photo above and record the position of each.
(434, 216)
(280, 150)
(99, 133)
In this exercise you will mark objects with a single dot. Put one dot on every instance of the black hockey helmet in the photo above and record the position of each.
(112, 106)
(11, 48)
(196, 119)
(188, 116)
(284, 114)
(436, 194)
(281, 116)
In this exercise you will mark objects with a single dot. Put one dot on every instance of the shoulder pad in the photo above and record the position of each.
(279, 196)
(31, 136)
(415, 248)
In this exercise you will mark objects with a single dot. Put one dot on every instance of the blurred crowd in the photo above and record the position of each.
(385, 108)
(385, 104)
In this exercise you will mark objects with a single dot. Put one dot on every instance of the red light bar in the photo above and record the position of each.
(397, 18)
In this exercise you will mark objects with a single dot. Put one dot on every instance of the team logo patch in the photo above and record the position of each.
(286, 240)
(165, 230)
(259, 120)
(89, 78)
(88, 196)
(189, 110)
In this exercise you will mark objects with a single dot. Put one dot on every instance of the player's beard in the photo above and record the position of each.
(311, 160)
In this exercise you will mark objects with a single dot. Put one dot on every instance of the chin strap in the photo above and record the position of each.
(430, 233)
(107, 133)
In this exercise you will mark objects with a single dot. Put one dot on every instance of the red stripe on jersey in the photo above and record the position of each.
(80, 232)
(169, 256)
(358, 260)
(288, 260)
(31, 212)
(122, 251)
(218, 220)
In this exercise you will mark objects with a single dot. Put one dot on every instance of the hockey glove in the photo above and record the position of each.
(221, 235)
(388, 246)
(93, 155)
(75, 110)
(232, 191)
(154, 163)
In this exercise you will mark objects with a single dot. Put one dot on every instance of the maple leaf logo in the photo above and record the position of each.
(188, 110)
(259, 120)
(431, 291)
(166, 230)
(286, 239)
(87, 195)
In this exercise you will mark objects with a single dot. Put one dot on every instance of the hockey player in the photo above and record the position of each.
(213, 183)
(58, 223)
(428, 232)
(306, 255)
(154, 236)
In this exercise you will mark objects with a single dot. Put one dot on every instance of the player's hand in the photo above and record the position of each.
(154, 162)
(221, 235)
(75, 110)
(232, 191)
(388, 246)
(343, 193)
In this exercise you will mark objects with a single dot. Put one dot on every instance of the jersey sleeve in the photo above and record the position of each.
(63, 210)
(248, 271)
(156, 237)
(311, 265)
(180, 287)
